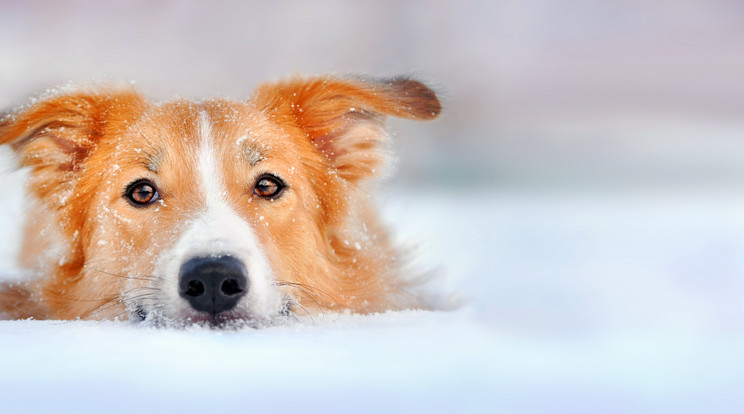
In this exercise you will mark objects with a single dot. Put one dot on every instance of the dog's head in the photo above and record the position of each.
(213, 210)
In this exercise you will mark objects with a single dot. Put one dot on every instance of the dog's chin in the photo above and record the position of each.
(223, 320)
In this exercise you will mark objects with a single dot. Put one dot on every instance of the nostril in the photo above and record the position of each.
(231, 287)
(195, 288)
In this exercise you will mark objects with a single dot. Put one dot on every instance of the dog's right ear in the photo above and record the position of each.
(343, 117)
(54, 135)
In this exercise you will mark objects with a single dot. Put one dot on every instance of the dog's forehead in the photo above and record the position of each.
(180, 127)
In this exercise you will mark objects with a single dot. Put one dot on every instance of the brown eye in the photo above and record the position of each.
(268, 186)
(141, 193)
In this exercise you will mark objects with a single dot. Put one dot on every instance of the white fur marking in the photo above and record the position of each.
(211, 180)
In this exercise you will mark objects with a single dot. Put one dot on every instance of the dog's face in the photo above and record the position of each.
(202, 204)
(212, 211)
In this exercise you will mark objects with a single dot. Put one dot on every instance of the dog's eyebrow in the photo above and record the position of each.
(249, 151)
(153, 160)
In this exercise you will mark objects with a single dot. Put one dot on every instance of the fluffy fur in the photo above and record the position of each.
(318, 245)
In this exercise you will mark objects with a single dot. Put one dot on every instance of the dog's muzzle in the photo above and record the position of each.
(213, 284)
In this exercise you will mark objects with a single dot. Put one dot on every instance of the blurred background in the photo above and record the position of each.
(584, 180)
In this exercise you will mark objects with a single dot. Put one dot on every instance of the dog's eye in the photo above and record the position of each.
(141, 193)
(268, 186)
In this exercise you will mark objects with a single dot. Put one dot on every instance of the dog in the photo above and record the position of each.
(212, 211)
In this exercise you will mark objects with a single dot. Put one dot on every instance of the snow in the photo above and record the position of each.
(395, 362)
(342, 364)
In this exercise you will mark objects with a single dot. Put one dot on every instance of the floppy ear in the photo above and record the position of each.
(53, 136)
(344, 117)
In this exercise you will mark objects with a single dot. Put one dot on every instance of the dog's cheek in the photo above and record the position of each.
(300, 255)
(123, 239)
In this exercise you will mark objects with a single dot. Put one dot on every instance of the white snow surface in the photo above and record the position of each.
(574, 302)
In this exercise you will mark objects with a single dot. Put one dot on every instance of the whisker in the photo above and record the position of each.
(77, 299)
(102, 306)
(314, 290)
(121, 276)
(126, 301)
(302, 289)
(306, 311)
(152, 288)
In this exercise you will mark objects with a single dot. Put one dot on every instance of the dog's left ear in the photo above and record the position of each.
(54, 135)
(344, 117)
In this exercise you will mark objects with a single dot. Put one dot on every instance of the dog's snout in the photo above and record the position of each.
(213, 284)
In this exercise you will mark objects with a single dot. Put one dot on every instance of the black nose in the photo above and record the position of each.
(213, 284)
